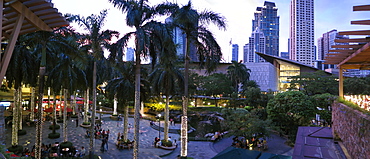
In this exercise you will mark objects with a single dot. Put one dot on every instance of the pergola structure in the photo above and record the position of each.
(354, 53)
(24, 16)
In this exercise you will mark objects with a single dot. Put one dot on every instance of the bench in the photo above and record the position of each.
(167, 148)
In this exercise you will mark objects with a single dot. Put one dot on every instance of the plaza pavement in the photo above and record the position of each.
(76, 135)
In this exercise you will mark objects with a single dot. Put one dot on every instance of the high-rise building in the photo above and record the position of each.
(256, 44)
(324, 44)
(179, 38)
(302, 47)
(267, 21)
(235, 52)
(130, 54)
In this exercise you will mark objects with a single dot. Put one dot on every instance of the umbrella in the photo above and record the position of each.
(237, 153)
(49, 110)
(82, 102)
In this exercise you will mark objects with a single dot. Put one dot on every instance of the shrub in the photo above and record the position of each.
(22, 132)
(53, 135)
(15, 149)
(86, 123)
(166, 143)
(56, 127)
(66, 144)
(74, 116)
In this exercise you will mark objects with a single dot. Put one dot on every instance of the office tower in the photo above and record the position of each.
(130, 54)
(179, 38)
(266, 19)
(284, 55)
(256, 44)
(302, 33)
(324, 44)
(235, 52)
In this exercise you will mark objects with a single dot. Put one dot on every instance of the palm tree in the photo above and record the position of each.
(192, 23)
(140, 16)
(166, 79)
(95, 40)
(238, 73)
(21, 70)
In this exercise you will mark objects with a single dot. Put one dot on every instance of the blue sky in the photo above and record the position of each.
(329, 14)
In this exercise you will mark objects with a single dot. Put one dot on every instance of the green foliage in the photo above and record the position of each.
(312, 83)
(356, 85)
(291, 109)
(53, 135)
(215, 84)
(324, 101)
(66, 144)
(161, 107)
(56, 127)
(86, 123)
(22, 132)
(352, 105)
(166, 143)
(238, 73)
(240, 122)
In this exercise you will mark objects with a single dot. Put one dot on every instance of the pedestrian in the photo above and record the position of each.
(77, 121)
(103, 141)
(106, 143)
(82, 152)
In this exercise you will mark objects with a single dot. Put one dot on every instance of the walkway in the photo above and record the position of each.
(196, 149)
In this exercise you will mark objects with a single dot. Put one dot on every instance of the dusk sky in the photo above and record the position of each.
(329, 14)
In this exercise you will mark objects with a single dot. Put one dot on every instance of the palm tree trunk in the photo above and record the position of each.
(185, 103)
(15, 119)
(65, 139)
(60, 102)
(20, 110)
(54, 109)
(125, 124)
(137, 104)
(38, 141)
(115, 105)
(92, 140)
(166, 117)
(74, 107)
(86, 105)
(32, 117)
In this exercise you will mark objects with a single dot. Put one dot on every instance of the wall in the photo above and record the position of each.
(353, 127)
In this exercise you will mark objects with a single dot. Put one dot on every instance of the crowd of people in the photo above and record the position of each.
(260, 144)
(53, 150)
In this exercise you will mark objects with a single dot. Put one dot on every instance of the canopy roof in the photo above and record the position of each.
(25, 16)
(353, 53)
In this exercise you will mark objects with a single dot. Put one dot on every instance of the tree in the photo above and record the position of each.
(240, 122)
(324, 102)
(95, 41)
(216, 84)
(291, 109)
(356, 85)
(192, 23)
(22, 69)
(140, 16)
(312, 83)
(238, 73)
(166, 80)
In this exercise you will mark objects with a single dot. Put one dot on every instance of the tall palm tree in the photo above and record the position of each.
(45, 44)
(193, 24)
(21, 70)
(140, 16)
(166, 79)
(238, 73)
(95, 41)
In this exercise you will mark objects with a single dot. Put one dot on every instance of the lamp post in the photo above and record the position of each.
(159, 125)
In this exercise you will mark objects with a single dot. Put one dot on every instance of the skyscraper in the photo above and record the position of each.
(266, 19)
(130, 54)
(302, 47)
(235, 52)
(256, 44)
(324, 44)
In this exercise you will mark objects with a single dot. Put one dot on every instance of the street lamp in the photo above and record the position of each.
(159, 125)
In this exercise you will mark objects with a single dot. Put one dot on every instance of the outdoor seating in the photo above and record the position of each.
(125, 144)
